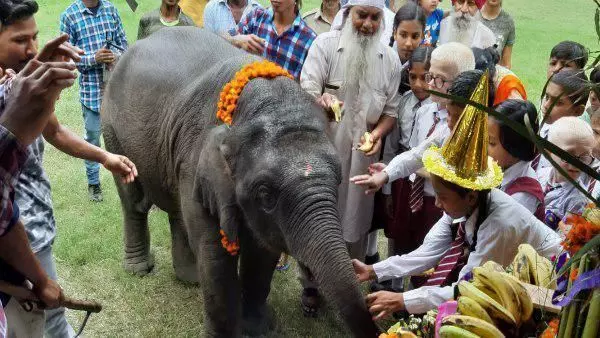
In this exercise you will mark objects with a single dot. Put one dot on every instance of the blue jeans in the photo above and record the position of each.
(91, 121)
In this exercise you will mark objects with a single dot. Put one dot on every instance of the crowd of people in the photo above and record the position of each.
(379, 61)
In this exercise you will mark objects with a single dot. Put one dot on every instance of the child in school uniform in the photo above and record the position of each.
(566, 55)
(514, 154)
(480, 222)
(569, 88)
(561, 197)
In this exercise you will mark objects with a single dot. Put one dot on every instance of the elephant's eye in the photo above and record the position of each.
(266, 197)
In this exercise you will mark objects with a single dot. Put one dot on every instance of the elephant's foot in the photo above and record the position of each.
(311, 302)
(258, 323)
(139, 265)
(186, 273)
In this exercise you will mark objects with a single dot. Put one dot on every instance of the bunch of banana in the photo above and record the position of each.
(529, 267)
(479, 327)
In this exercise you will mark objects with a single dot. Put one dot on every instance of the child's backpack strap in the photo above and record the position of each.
(529, 185)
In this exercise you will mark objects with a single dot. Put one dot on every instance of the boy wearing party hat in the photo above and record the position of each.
(480, 222)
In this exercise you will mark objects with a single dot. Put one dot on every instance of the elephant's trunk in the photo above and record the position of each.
(318, 244)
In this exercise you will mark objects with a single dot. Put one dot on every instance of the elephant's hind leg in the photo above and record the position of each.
(184, 259)
(135, 206)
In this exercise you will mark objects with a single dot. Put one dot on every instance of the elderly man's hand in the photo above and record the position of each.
(363, 271)
(384, 303)
(59, 49)
(32, 95)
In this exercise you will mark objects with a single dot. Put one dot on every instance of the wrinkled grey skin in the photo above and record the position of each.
(271, 178)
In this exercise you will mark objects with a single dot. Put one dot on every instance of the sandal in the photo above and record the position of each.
(311, 302)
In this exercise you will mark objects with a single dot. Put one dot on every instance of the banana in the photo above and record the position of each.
(473, 325)
(469, 307)
(520, 267)
(368, 144)
(337, 110)
(525, 302)
(540, 268)
(499, 314)
(508, 296)
(493, 266)
(450, 331)
(487, 290)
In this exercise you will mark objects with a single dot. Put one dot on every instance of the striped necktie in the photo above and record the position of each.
(417, 188)
(452, 260)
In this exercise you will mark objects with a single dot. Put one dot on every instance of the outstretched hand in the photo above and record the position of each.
(373, 181)
(384, 303)
(363, 271)
(121, 166)
(59, 49)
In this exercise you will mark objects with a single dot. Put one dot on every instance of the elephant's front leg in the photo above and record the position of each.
(219, 283)
(184, 259)
(256, 271)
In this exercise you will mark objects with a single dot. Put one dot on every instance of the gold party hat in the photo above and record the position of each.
(463, 160)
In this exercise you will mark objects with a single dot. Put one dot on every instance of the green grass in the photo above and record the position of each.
(88, 248)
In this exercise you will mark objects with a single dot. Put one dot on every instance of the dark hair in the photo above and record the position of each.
(487, 59)
(421, 54)
(595, 80)
(15, 10)
(482, 197)
(514, 143)
(409, 12)
(465, 83)
(570, 51)
(574, 84)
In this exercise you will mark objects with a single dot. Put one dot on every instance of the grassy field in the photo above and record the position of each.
(88, 248)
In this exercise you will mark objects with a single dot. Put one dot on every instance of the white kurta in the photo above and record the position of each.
(322, 72)
(507, 226)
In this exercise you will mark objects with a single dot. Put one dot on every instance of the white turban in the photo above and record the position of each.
(371, 3)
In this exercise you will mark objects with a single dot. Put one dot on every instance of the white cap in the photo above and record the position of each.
(371, 3)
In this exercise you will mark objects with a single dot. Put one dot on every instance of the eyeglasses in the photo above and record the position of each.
(585, 159)
(438, 81)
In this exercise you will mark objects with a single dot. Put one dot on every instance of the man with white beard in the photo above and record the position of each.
(462, 26)
(354, 67)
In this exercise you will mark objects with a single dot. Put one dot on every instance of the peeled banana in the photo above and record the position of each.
(469, 307)
(473, 325)
(368, 144)
(508, 296)
(499, 314)
(337, 110)
(451, 331)
(540, 268)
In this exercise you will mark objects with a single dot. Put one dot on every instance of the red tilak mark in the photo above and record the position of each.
(308, 169)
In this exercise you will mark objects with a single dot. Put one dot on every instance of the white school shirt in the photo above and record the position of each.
(521, 169)
(507, 226)
(544, 163)
(407, 163)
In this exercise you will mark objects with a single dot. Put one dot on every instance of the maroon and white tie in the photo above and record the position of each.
(417, 187)
(451, 261)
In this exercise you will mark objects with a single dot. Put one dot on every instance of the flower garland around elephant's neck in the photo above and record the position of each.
(232, 247)
(231, 92)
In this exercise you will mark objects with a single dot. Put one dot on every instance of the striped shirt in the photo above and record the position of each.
(92, 32)
(288, 49)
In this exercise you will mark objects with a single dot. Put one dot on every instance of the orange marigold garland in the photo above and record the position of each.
(232, 247)
(231, 92)
(581, 231)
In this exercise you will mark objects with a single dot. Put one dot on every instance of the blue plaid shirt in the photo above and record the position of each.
(289, 49)
(92, 32)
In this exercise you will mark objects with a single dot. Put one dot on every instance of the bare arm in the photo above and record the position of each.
(506, 59)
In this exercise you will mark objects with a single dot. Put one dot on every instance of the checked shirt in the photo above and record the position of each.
(288, 49)
(92, 32)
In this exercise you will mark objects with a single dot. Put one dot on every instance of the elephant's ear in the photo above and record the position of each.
(215, 189)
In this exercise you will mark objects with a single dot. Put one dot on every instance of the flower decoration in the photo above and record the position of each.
(232, 247)
(582, 231)
(552, 330)
(231, 92)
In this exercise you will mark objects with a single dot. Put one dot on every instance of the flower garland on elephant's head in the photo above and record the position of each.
(228, 101)
(231, 92)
